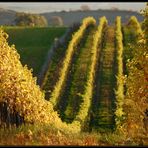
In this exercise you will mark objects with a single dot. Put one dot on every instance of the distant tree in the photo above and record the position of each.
(85, 8)
(27, 19)
(63, 11)
(114, 8)
(70, 10)
(130, 10)
(56, 21)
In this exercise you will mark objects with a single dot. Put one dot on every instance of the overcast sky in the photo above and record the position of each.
(39, 7)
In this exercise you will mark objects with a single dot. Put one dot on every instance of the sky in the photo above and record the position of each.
(40, 7)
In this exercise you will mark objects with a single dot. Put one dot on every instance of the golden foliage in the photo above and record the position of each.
(120, 79)
(68, 56)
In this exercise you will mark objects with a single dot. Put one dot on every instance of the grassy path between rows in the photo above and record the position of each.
(53, 69)
(102, 114)
(71, 97)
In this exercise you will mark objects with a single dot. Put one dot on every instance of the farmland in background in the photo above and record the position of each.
(33, 44)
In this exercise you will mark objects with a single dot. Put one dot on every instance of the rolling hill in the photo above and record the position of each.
(7, 17)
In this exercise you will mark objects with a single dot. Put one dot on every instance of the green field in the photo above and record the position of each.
(33, 43)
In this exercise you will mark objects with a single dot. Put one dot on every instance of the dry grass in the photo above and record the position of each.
(41, 135)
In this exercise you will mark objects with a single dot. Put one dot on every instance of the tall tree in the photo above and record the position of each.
(85, 8)
(56, 21)
(136, 102)
(27, 19)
